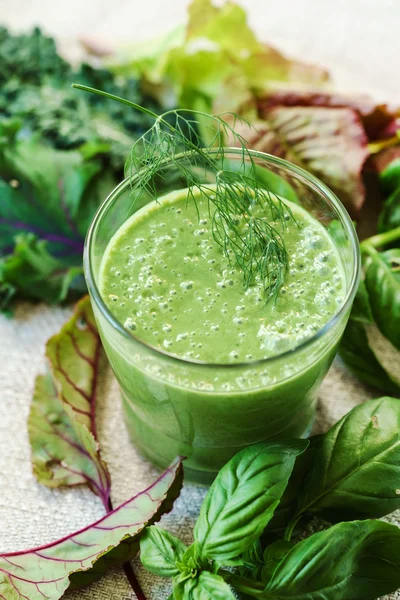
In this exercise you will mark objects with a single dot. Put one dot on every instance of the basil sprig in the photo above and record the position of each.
(350, 472)
(376, 310)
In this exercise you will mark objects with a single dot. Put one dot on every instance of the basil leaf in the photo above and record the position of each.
(349, 561)
(390, 176)
(390, 214)
(243, 497)
(355, 471)
(383, 287)
(361, 310)
(252, 561)
(207, 586)
(288, 502)
(159, 551)
(273, 556)
(362, 361)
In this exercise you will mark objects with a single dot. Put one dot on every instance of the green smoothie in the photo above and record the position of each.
(170, 285)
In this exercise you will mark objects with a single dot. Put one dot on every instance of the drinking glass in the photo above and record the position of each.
(207, 411)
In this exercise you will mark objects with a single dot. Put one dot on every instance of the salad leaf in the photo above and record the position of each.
(351, 561)
(389, 217)
(382, 280)
(76, 358)
(44, 215)
(32, 271)
(218, 61)
(64, 451)
(328, 142)
(273, 556)
(355, 466)
(61, 423)
(243, 497)
(378, 119)
(360, 358)
(30, 57)
(36, 88)
(207, 586)
(84, 556)
(42, 192)
(160, 551)
(61, 153)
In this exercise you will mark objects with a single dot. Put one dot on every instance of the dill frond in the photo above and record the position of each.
(247, 239)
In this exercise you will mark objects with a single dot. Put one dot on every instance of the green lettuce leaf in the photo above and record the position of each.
(84, 556)
(218, 60)
(61, 424)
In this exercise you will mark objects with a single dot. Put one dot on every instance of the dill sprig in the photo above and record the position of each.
(247, 239)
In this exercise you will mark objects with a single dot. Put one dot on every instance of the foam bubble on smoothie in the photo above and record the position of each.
(168, 282)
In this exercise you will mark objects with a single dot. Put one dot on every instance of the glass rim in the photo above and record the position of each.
(323, 189)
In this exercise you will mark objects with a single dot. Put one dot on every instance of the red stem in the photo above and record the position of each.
(130, 575)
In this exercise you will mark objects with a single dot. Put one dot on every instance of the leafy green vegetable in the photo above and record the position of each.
(33, 272)
(219, 61)
(352, 470)
(377, 303)
(350, 561)
(273, 556)
(242, 499)
(361, 359)
(355, 466)
(207, 586)
(30, 58)
(378, 119)
(60, 155)
(36, 88)
(390, 214)
(288, 502)
(382, 280)
(160, 551)
(76, 358)
(84, 556)
(64, 451)
(44, 214)
(328, 142)
(61, 423)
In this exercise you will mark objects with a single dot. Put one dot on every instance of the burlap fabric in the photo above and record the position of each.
(31, 514)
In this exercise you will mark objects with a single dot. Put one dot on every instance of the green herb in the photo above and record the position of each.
(351, 471)
(377, 303)
(350, 561)
(48, 198)
(60, 156)
(354, 469)
(35, 88)
(249, 240)
(243, 498)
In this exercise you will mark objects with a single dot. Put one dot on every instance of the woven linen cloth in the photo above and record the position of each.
(31, 514)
